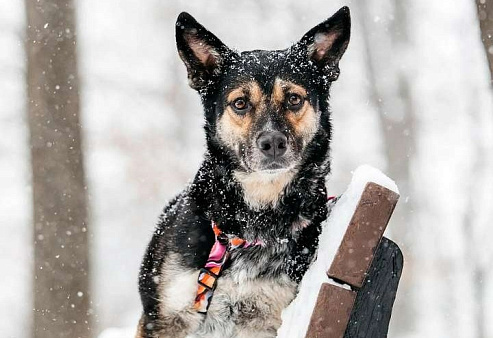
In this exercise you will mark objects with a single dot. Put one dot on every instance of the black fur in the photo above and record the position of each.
(185, 225)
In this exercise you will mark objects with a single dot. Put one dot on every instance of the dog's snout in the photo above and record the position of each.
(273, 144)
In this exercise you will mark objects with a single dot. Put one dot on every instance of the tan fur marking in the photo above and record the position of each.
(233, 128)
(251, 90)
(282, 86)
(256, 95)
(235, 94)
(304, 121)
(262, 189)
(278, 92)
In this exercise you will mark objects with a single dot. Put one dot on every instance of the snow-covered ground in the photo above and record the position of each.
(143, 141)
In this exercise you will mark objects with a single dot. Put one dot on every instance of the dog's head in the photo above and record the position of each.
(265, 109)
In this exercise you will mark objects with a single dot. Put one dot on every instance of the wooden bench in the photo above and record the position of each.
(365, 274)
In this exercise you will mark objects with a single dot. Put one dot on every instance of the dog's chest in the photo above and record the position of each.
(251, 308)
(243, 304)
(247, 307)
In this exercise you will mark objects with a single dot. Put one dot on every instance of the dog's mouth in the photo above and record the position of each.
(275, 172)
(267, 165)
(274, 166)
(270, 165)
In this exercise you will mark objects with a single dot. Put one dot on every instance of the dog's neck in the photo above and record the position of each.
(264, 189)
(289, 200)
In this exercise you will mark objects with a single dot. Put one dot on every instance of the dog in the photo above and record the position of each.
(230, 251)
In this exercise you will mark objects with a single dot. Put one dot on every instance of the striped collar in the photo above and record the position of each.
(218, 257)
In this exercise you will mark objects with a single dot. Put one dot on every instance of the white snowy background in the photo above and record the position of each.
(143, 141)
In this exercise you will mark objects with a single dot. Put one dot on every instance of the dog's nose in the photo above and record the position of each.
(273, 144)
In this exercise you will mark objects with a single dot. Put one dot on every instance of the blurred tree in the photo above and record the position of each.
(482, 169)
(61, 258)
(485, 13)
(386, 44)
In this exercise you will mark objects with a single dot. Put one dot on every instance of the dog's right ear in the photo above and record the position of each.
(201, 51)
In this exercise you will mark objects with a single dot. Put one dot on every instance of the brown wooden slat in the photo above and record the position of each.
(357, 249)
(332, 311)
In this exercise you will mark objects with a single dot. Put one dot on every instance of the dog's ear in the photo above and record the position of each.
(326, 43)
(201, 51)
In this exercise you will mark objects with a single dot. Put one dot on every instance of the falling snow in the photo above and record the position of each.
(143, 142)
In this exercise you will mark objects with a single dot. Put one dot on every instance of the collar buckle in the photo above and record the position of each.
(207, 279)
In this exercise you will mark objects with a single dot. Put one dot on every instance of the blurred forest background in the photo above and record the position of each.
(99, 129)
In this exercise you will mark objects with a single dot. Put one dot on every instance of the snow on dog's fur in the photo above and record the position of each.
(268, 131)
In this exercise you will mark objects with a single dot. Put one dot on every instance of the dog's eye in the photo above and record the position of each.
(240, 105)
(295, 101)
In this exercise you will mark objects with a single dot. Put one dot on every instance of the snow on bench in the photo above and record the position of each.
(326, 314)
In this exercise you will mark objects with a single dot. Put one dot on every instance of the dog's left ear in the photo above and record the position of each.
(201, 51)
(326, 43)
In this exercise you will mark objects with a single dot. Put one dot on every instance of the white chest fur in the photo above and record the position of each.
(250, 308)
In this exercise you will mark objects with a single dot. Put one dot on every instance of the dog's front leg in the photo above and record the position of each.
(177, 325)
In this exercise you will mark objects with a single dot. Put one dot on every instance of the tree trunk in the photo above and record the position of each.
(61, 262)
(485, 14)
(390, 94)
